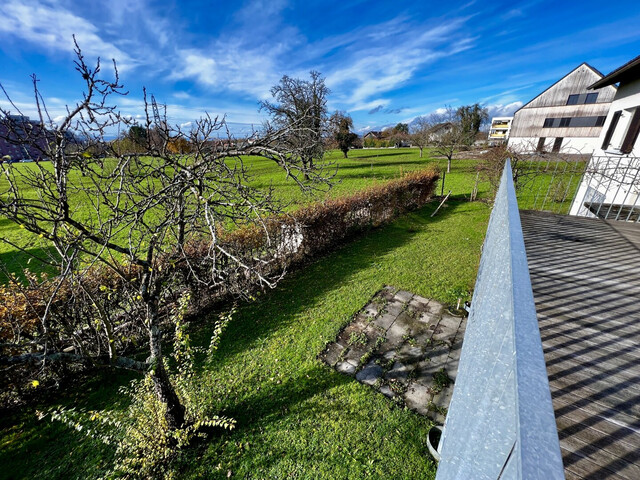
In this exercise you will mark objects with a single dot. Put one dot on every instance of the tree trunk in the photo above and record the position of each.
(420, 152)
(161, 383)
(448, 164)
(344, 152)
(308, 165)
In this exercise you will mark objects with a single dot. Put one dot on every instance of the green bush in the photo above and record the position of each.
(145, 446)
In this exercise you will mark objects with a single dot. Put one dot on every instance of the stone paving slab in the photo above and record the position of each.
(405, 346)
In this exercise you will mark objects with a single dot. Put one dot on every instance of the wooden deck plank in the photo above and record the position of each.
(585, 275)
(602, 450)
(586, 468)
(572, 402)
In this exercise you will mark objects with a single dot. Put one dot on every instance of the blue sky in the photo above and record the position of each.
(385, 62)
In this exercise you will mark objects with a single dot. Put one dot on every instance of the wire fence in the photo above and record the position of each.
(610, 189)
(606, 187)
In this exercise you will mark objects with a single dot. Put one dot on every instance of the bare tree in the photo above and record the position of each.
(300, 111)
(420, 131)
(340, 125)
(148, 221)
(447, 134)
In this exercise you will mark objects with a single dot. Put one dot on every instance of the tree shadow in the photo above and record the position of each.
(378, 153)
(311, 281)
(16, 262)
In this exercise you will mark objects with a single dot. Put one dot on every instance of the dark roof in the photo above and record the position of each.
(628, 72)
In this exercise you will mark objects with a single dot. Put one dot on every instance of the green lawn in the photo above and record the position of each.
(297, 418)
(361, 169)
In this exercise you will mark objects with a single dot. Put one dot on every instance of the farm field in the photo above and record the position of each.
(295, 416)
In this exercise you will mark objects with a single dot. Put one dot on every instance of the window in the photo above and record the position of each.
(612, 128)
(574, 122)
(582, 98)
(591, 98)
(540, 147)
(632, 133)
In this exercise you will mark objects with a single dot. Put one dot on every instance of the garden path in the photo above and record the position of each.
(406, 346)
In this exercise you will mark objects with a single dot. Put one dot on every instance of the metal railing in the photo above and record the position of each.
(501, 422)
(610, 189)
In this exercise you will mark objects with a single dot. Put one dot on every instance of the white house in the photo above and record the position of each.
(610, 187)
(499, 130)
(566, 117)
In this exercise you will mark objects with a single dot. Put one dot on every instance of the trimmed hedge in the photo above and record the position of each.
(261, 252)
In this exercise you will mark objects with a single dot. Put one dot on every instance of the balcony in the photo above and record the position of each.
(550, 391)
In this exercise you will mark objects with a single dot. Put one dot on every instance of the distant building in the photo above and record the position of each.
(610, 187)
(567, 117)
(499, 130)
(373, 136)
(438, 131)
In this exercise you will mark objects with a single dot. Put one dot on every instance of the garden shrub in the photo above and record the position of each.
(93, 311)
(144, 445)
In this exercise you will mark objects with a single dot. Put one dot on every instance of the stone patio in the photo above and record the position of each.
(405, 346)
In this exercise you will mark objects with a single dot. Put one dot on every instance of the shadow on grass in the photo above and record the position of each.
(366, 154)
(33, 448)
(259, 321)
(306, 287)
(371, 161)
(268, 400)
(16, 262)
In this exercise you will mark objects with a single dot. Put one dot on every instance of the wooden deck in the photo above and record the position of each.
(586, 283)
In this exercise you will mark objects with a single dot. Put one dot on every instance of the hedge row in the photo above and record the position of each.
(260, 252)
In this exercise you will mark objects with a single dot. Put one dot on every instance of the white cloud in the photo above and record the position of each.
(389, 54)
(50, 27)
(229, 67)
(372, 104)
(507, 110)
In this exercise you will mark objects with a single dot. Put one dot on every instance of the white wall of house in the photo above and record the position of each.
(627, 100)
(577, 145)
(613, 178)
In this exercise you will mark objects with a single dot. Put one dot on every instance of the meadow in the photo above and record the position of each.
(296, 417)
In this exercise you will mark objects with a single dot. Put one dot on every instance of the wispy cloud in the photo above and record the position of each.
(388, 111)
(229, 67)
(388, 55)
(48, 26)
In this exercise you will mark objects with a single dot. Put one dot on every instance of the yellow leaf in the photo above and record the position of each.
(35, 383)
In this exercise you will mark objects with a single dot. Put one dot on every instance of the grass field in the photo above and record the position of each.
(297, 418)
(361, 169)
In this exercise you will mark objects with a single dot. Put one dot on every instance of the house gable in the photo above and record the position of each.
(575, 82)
